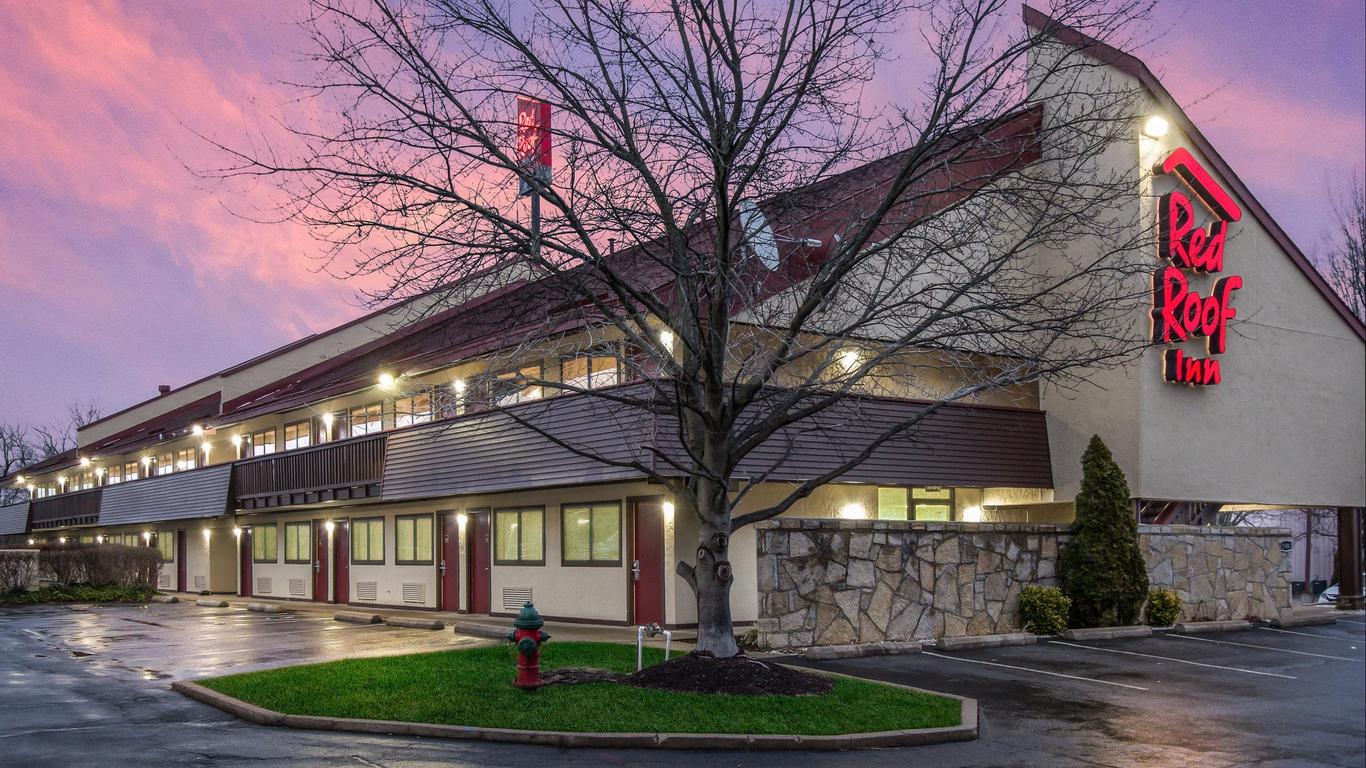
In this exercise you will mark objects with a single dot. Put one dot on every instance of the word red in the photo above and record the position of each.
(1179, 312)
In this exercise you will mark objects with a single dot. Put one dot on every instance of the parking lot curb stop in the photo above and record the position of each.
(1201, 627)
(970, 642)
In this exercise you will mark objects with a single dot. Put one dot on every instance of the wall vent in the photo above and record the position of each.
(199, 583)
(164, 581)
(513, 597)
(367, 590)
(296, 587)
(263, 585)
(415, 593)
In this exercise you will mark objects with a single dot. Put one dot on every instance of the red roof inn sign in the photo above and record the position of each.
(1179, 312)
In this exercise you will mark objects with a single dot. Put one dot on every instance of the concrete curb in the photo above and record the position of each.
(351, 617)
(1107, 633)
(491, 631)
(967, 730)
(204, 603)
(1303, 620)
(165, 599)
(265, 608)
(828, 652)
(411, 623)
(1202, 627)
(971, 642)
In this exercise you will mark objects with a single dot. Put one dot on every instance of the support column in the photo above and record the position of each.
(1349, 558)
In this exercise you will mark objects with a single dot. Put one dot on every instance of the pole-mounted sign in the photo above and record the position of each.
(533, 141)
(1179, 312)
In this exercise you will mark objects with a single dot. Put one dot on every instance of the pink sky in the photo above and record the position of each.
(119, 270)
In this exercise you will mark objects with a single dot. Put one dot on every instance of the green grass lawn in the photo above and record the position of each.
(474, 687)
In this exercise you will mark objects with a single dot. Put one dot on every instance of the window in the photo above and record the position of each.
(130, 471)
(113, 475)
(413, 410)
(298, 434)
(185, 458)
(264, 548)
(893, 504)
(590, 534)
(413, 540)
(519, 536)
(165, 463)
(932, 503)
(263, 442)
(298, 544)
(507, 387)
(166, 545)
(367, 541)
(590, 371)
(367, 419)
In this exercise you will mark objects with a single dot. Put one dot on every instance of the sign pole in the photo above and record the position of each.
(535, 223)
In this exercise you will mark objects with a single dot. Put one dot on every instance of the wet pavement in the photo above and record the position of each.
(89, 687)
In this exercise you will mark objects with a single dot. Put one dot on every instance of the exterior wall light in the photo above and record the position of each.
(61, 539)
(146, 462)
(668, 511)
(1156, 127)
(386, 381)
(61, 481)
(329, 526)
(204, 446)
(459, 386)
(666, 338)
(237, 532)
(972, 514)
(196, 430)
(19, 480)
(98, 539)
(207, 533)
(85, 461)
(849, 360)
(147, 537)
(854, 511)
(31, 542)
(461, 519)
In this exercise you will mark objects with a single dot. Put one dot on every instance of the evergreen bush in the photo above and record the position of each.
(1164, 607)
(1101, 568)
(1043, 610)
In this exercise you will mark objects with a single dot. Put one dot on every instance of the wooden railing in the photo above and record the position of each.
(76, 508)
(351, 469)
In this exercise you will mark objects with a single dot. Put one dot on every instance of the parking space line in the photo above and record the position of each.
(1035, 671)
(1265, 648)
(1308, 634)
(1173, 658)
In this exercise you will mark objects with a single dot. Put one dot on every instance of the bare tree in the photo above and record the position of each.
(60, 436)
(772, 250)
(1346, 260)
(16, 452)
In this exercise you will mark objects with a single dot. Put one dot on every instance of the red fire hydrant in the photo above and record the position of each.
(528, 637)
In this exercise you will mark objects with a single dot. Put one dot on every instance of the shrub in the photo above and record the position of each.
(18, 571)
(1101, 568)
(78, 594)
(101, 565)
(1164, 607)
(1043, 610)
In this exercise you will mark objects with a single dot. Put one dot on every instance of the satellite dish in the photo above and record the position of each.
(758, 235)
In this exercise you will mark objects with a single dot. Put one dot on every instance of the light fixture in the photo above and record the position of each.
(854, 511)
(972, 514)
(459, 386)
(1155, 127)
(85, 461)
(19, 480)
(461, 519)
(31, 542)
(61, 481)
(329, 526)
(237, 532)
(386, 381)
(205, 446)
(207, 534)
(849, 359)
(666, 338)
(61, 539)
(237, 441)
(146, 461)
(147, 537)
(196, 430)
(98, 539)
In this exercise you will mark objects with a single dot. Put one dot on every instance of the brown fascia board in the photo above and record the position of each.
(53, 463)
(149, 431)
(1134, 67)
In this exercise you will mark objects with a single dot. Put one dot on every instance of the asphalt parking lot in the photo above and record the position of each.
(89, 686)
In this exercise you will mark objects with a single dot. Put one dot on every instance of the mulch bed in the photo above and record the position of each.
(704, 673)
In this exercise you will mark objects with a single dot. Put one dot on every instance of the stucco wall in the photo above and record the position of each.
(827, 582)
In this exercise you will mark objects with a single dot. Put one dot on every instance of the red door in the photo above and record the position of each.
(480, 551)
(448, 567)
(181, 547)
(320, 543)
(341, 562)
(647, 561)
(244, 553)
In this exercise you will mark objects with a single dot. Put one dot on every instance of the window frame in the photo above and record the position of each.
(877, 502)
(590, 378)
(414, 416)
(431, 553)
(952, 501)
(521, 511)
(307, 525)
(365, 522)
(169, 536)
(521, 394)
(621, 535)
(307, 424)
(274, 442)
(136, 471)
(256, 537)
(181, 465)
(364, 409)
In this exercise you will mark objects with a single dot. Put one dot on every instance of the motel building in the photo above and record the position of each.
(364, 465)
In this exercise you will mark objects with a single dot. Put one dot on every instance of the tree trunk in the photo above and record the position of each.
(713, 576)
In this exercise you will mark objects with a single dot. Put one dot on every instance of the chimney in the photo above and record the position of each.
(163, 389)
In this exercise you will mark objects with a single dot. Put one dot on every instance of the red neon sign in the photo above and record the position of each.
(1179, 312)
(533, 136)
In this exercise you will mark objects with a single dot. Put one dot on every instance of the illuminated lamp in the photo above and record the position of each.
(146, 461)
(31, 542)
(854, 511)
(99, 539)
(459, 386)
(1156, 127)
(461, 519)
(386, 381)
(19, 480)
(972, 514)
(237, 532)
(329, 526)
(85, 461)
(849, 359)
(147, 537)
(666, 338)
(61, 539)
(668, 511)
(196, 430)
(207, 534)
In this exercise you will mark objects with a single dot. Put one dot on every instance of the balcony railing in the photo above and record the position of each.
(339, 471)
(78, 508)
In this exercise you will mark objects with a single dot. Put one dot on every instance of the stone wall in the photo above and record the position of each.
(828, 582)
